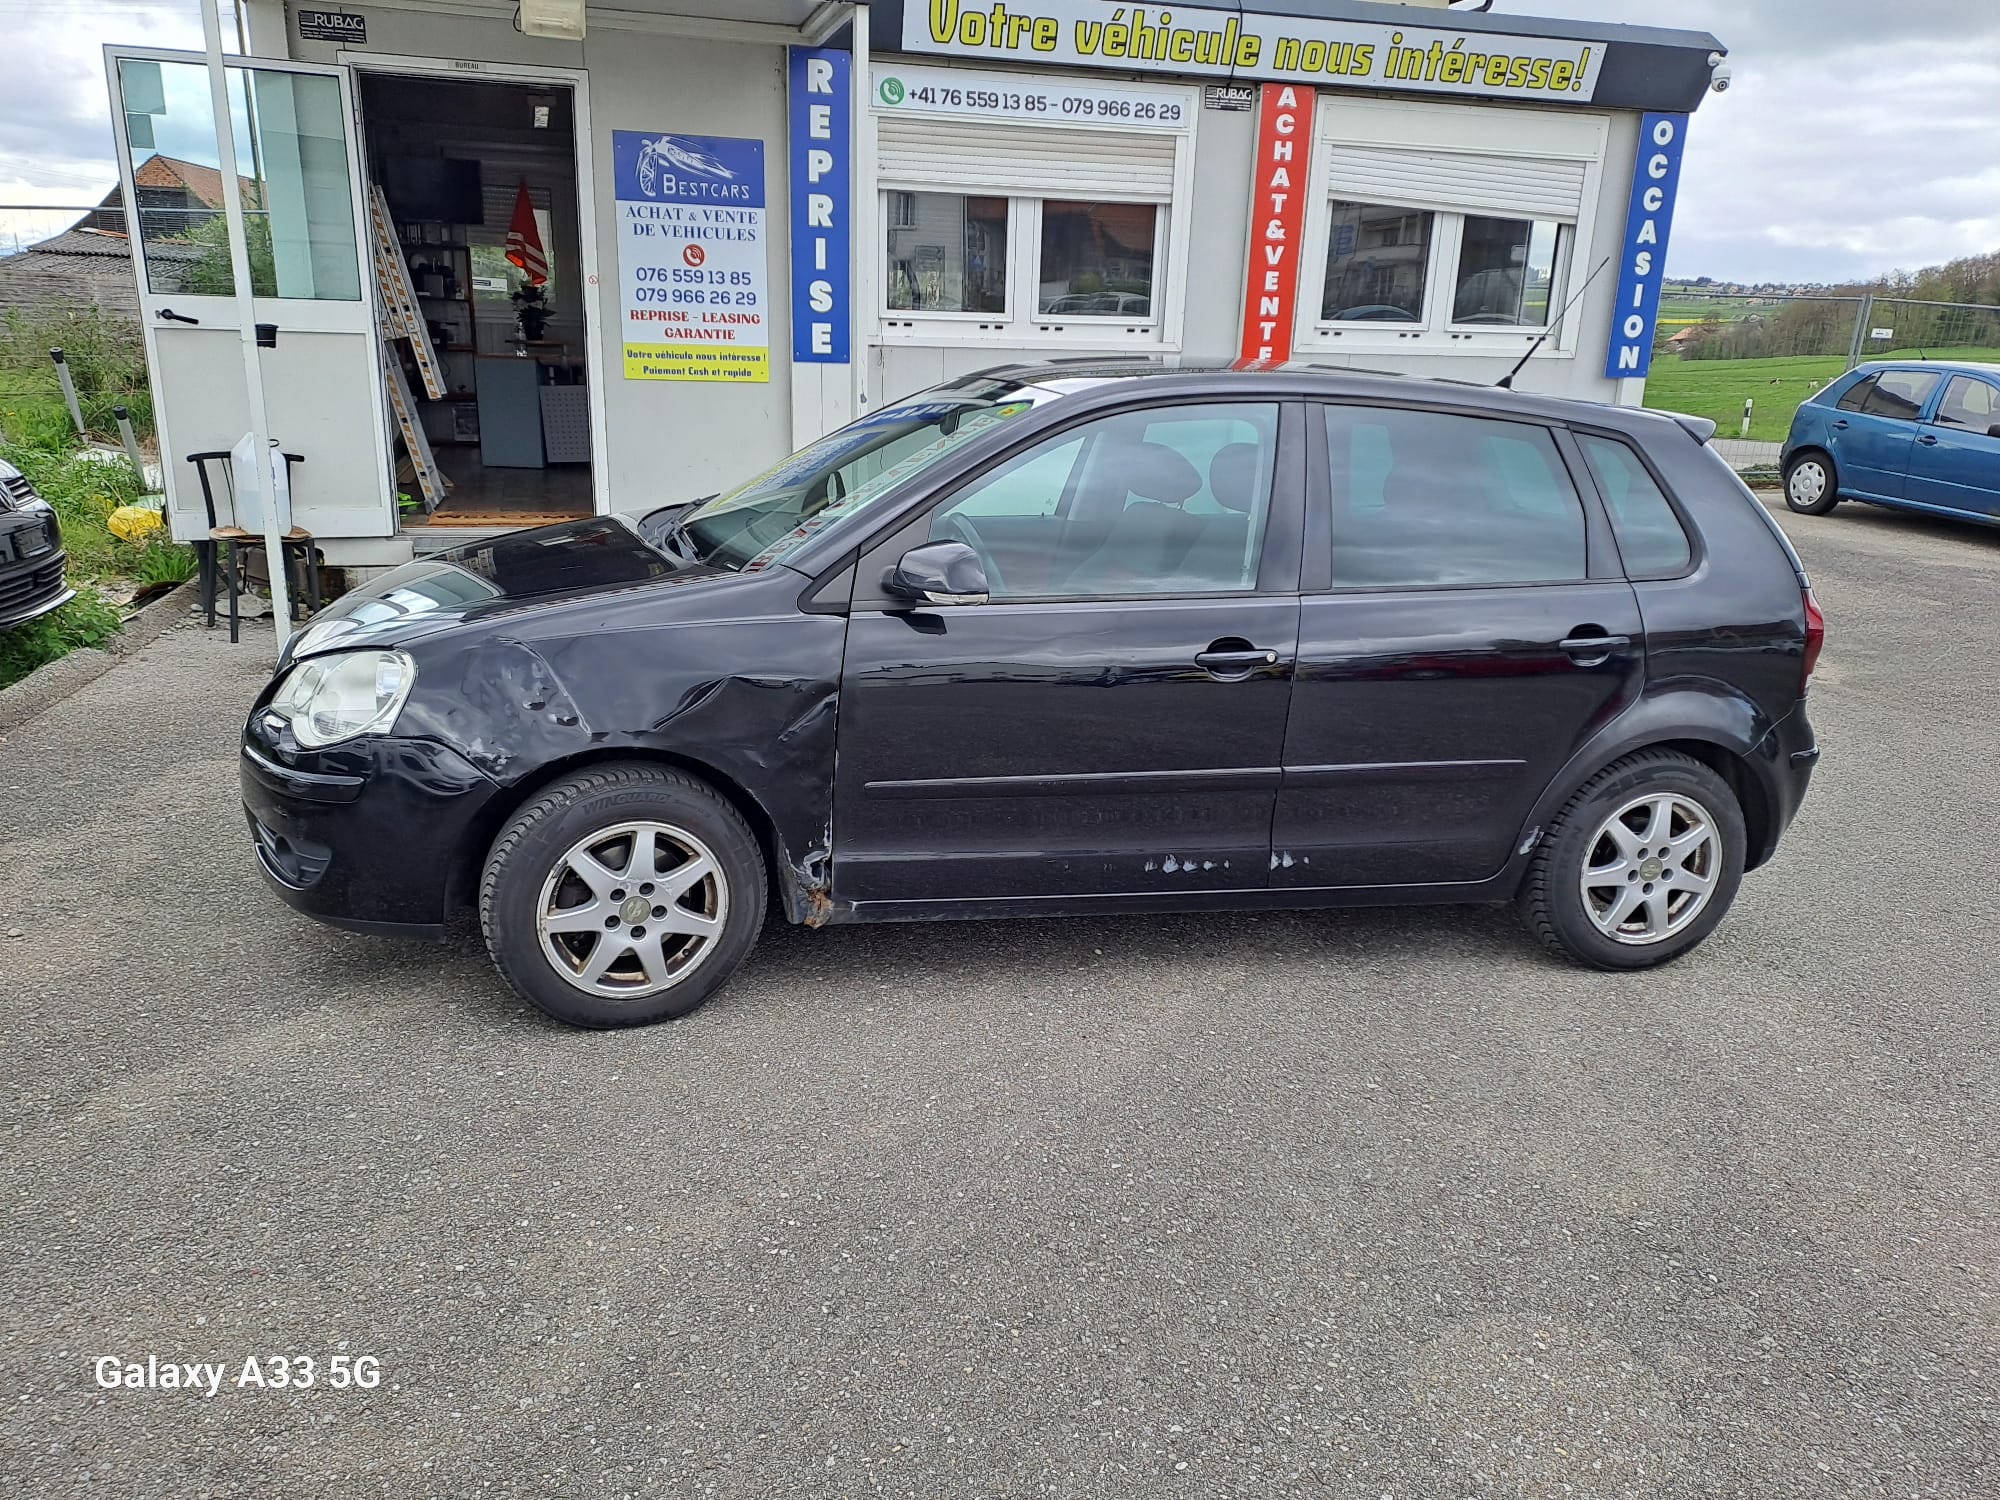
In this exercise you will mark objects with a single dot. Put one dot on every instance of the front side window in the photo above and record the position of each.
(1377, 264)
(845, 473)
(1097, 259)
(1167, 501)
(1506, 272)
(946, 252)
(1650, 536)
(1901, 394)
(1435, 500)
(1969, 403)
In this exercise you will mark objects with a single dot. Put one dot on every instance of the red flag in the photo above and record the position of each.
(524, 240)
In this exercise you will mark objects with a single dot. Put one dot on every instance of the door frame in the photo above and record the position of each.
(299, 314)
(577, 80)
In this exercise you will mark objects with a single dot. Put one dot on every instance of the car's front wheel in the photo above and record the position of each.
(1639, 867)
(1812, 488)
(621, 895)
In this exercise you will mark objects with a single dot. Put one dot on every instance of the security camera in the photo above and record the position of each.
(1719, 72)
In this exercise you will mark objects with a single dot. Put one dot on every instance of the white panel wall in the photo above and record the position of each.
(665, 440)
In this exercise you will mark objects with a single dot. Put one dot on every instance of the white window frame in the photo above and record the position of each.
(1022, 325)
(1464, 130)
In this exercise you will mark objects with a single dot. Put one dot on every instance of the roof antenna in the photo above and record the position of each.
(1506, 382)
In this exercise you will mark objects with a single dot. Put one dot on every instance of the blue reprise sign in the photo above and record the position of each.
(822, 201)
(1656, 184)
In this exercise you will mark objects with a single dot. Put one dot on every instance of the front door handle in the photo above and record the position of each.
(1234, 661)
(1928, 441)
(1590, 647)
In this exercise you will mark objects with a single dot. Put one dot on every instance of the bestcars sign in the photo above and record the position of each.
(1656, 185)
(1189, 41)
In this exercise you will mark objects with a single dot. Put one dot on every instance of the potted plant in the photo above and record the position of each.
(531, 310)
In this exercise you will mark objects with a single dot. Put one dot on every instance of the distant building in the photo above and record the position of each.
(80, 267)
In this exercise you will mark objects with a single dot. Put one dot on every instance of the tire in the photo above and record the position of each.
(1812, 484)
(1668, 919)
(578, 855)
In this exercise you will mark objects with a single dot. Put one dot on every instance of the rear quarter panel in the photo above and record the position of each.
(1736, 624)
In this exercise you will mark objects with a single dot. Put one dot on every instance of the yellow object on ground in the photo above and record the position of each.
(133, 523)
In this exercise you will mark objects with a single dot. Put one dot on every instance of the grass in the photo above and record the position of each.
(1717, 388)
(87, 620)
(85, 491)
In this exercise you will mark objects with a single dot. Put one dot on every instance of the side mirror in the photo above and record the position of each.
(939, 573)
(1994, 430)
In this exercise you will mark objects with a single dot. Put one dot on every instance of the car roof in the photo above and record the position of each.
(1113, 377)
(1954, 366)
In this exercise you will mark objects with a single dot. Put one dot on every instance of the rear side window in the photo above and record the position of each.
(1858, 394)
(1435, 500)
(1650, 536)
(1901, 394)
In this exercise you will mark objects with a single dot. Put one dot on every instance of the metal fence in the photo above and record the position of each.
(1701, 326)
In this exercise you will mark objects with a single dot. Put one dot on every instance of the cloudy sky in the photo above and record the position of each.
(1860, 135)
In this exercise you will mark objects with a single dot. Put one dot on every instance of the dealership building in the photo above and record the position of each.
(754, 220)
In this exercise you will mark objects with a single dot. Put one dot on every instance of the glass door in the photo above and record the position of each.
(310, 268)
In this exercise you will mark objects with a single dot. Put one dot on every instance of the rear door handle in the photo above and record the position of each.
(1593, 650)
(1841, 425)
(1928, 441)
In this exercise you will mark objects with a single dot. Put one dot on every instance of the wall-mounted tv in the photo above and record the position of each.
(433, 187)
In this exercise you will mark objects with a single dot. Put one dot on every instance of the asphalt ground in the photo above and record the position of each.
(1367, 1204)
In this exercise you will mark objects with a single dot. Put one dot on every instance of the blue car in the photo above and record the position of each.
(1923, 436)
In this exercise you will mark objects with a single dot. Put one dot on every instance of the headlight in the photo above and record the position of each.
(334, 698)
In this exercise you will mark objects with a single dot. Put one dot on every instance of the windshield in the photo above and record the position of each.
(759, 523)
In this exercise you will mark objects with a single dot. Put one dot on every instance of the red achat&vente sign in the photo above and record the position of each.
(1277, 217)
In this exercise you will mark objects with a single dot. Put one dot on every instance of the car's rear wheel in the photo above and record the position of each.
(1812, 487)
(622, 895)
(1639, 867)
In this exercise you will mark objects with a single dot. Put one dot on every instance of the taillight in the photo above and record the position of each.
(1815, 637)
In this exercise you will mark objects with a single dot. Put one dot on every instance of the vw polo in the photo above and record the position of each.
(1072, 638)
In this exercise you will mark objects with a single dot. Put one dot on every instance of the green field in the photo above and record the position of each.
(1717, 388)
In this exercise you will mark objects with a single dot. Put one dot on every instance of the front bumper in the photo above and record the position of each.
(366, 835)
(29, 590)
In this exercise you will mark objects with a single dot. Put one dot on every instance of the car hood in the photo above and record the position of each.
(517, 572)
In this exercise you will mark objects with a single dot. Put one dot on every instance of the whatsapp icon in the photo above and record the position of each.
(892, 91)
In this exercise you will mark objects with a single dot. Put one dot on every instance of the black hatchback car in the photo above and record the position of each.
(1068, 638)
(31, 553)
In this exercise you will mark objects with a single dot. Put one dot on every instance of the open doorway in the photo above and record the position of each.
(480, 179)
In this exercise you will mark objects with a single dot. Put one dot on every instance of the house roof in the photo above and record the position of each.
(203, 184)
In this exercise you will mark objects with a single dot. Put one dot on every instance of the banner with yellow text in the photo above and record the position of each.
(1188, 42)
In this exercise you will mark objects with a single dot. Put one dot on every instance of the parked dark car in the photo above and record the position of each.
(1921, 436)
(1068, 638)
(31, 552)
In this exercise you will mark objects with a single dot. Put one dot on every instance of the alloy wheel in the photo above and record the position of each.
(632, 910)
(1651, 868)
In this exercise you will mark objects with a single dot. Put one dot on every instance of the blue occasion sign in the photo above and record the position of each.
(1656, 184)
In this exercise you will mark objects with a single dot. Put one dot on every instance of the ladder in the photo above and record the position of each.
(402, 318)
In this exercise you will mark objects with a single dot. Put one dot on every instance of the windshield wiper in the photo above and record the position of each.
(676, 539)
